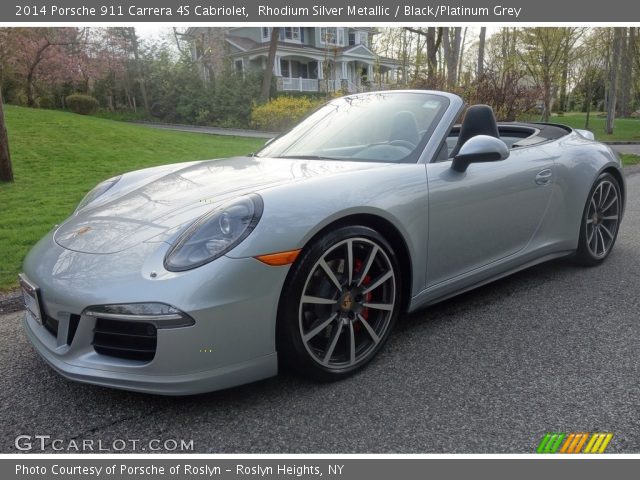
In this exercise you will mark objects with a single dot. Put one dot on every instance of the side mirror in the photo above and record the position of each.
(481, 148)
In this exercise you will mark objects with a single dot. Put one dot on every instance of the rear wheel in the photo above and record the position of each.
(600, 221)
(340, 303)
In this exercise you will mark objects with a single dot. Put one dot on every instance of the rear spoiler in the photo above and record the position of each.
(585, 133)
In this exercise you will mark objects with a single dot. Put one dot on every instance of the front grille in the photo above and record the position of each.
(51, 324)
(131, 340)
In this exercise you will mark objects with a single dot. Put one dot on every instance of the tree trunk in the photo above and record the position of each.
(140, 71)
(624, 98)
(451, 52)
(32, 73)
(432, 54)
(271, 60)
(420, 48)
(457, 45)
(6, 169)
(461, 54)
(613, 79)
(30, 96)
(633, 51)
(405, 57)
(547, 99)
(564, 76)
(481, 46)
(589, 100)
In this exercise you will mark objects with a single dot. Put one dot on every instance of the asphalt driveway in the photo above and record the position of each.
(552, 349)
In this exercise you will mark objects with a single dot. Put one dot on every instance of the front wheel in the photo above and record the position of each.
(339, 304)
(600, 221)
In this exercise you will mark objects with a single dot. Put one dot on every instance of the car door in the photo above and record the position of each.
(485, 214)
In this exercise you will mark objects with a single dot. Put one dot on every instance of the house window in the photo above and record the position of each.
(290, 33)
(284, 68)
(352, 38)
(266, 33)
(332, 35)
(299, 69)
(239, 64)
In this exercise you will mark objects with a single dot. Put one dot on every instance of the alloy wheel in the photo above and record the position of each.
(347, 303)
(603, 216)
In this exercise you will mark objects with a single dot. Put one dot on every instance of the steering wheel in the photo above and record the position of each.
(403, 143)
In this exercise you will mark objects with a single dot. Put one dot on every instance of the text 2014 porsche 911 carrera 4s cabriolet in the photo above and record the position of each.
(199, 276)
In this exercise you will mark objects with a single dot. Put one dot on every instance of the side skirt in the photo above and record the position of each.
(457, 286)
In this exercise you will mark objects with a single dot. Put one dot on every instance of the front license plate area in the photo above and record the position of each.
(31, 295)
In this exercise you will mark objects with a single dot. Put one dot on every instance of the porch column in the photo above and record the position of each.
(370, 72)
(344, 71)
(320, 70)
(276, 66)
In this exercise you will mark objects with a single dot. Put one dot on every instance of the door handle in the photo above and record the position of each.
(544, 177)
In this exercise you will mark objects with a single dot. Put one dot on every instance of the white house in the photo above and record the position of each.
(308, 59)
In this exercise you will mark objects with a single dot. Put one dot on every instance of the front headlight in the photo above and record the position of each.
(97, 191)
(214, 234)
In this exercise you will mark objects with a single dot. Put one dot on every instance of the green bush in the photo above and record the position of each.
(282, 113)
(47, 102)
(82, 104)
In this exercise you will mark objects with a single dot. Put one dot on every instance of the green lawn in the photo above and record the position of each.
(58, 157)
(630, 159)
(625, 129)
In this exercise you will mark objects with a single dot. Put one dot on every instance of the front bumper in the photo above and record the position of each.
(233, 302)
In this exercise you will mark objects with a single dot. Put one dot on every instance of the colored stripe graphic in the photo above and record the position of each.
(582, 437)
(570, 439)
(605, 444)
(550, 442)
(598, 443)
(573, 442)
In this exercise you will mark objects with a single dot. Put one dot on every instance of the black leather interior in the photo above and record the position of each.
(478, 120)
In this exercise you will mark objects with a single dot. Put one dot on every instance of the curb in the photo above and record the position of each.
(621, 143)
(11, 301)
(632, 169)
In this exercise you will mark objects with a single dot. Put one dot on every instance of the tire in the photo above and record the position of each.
(333, 320)
(600, 221)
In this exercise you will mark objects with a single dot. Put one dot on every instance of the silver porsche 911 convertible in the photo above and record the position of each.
(200, 276)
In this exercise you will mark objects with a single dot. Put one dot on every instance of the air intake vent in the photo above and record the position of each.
(131, 340)
(51, 324)
(74, 321)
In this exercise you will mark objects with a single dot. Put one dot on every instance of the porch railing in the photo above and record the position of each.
(286, 84)
(299, 84)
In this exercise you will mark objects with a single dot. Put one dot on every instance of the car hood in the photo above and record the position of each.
(158, 207)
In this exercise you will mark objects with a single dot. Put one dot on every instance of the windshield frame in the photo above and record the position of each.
(416, 156)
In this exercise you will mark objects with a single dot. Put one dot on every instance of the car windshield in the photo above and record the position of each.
(378, 127)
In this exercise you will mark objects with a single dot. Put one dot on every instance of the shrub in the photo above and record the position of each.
(82, 104)
(282, 113)
(47, 102)
(232, 102)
